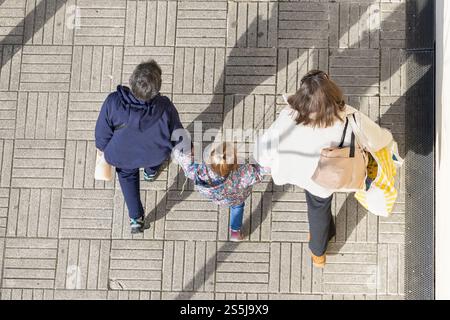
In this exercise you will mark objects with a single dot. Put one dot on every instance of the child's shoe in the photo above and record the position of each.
(137, 225)
(236, 236)
(150, 177)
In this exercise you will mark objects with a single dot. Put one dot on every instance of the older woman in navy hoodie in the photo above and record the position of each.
(134, 130)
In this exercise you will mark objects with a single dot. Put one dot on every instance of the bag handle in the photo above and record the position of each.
(352, 144)
(341, 145)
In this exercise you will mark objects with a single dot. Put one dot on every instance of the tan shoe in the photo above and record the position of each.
(319, 262)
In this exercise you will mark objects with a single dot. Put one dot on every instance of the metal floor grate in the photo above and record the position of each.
(420, 137)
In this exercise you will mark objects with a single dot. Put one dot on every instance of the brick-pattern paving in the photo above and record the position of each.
(64, 235)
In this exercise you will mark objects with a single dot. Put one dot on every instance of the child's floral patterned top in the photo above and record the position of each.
(230, 191)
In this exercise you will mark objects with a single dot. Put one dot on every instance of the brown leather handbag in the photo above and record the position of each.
(342, 169)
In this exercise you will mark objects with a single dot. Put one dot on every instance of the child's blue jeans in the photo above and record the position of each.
(236, 217)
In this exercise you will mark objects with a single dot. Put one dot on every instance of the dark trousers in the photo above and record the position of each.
(130, 185)
(321, 224)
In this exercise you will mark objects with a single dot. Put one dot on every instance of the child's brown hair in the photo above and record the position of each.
(223, 159)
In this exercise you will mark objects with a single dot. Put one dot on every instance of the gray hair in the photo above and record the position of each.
(145, 82)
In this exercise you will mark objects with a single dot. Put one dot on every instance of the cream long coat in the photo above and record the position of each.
(292, 151)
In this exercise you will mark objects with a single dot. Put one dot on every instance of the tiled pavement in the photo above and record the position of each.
(65, 236)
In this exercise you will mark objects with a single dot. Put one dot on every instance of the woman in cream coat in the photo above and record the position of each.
(314, 120)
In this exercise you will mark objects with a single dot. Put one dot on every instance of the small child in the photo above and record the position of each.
(223, 181)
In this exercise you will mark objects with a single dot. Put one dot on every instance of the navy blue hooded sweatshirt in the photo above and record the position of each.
(134, 133)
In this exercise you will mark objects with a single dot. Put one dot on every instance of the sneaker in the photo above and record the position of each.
(319, 262)
(150, 177)
(137, 225)
(236, 236)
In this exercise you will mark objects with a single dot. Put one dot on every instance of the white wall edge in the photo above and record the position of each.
(442, 225)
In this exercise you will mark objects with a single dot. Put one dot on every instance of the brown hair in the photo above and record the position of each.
(223, 159)
(145, 81)
(319, 100)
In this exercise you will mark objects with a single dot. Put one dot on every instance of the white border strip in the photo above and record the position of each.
(442, 150)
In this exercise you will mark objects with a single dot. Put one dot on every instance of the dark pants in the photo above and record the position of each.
(152, 170)
(321, 224)
(130, 184)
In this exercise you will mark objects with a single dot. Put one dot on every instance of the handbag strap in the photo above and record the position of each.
(352, 146)
(341, 145)
(352, 143)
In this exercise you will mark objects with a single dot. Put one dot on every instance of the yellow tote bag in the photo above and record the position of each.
(380, 197)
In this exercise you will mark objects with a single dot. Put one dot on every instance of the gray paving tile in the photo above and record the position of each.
(26, 294)
(393, 25)
(157, 18)
(11, 59)
(86, 214)
(41, 162)
(6, 156)
(356, 71)
(243, 267)
(8, 110)
(190, 220)
(80, 295)
(29, 263)
(289, 218)
(201, 24)
(12, 13)
(252, 24)
(34, 213)
(46, 68)
(49, 22)
(259, 75)
(293, 63)
(42, 115)
(303, 25)
(392, 72)
(102, 22)
(83, 264)
(351, 269)
(134, 295)
(136, 265)
(189, 266)
(4, 202)
(96, 68)
(199, 70)
(355, 25)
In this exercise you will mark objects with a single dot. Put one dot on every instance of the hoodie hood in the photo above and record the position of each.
(143, 114)
(129, 99)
